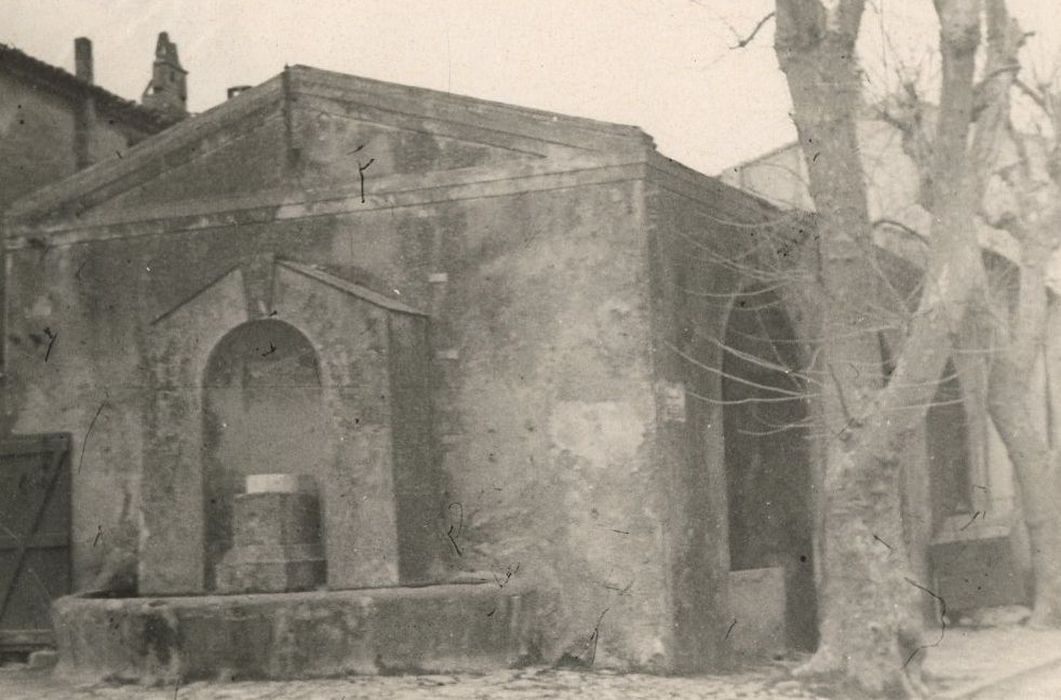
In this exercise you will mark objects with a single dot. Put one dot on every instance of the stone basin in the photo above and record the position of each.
(316, 634)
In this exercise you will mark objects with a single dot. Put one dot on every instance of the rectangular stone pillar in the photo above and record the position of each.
(171, 493)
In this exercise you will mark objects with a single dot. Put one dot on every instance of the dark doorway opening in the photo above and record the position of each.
(768, 473)
(263, 413)
(946, 427)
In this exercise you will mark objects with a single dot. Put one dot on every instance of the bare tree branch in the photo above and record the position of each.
(741, 43)
(1033, 94)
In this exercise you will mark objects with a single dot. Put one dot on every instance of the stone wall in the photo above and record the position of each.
(561, 445)
(542, 376)
(685, 231)
(547, 415)
(37, 141)
(700, 233)
(39, 145)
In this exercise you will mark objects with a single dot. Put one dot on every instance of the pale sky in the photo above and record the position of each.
(663, 65)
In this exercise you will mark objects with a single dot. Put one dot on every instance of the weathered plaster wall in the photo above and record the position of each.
(38, 146)
(205, 168)
(338, 137)
(286, 141)
(75, 351)
(551, 289)
(37, 140)
(541, 369)
(547, 417)
(695, 227)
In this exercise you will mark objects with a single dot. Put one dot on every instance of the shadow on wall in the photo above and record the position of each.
(767, 465)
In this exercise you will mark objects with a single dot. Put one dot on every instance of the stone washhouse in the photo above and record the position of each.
(366, 378)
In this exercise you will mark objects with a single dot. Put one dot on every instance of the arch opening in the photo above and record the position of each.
(263, 413)
(768, 473)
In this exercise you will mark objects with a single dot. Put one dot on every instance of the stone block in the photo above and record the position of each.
(757, 610)
(280, 483)
(43, 658)
(275, 518)
(271, 569)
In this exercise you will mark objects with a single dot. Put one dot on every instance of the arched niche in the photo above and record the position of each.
(263, 413)
(378, 482)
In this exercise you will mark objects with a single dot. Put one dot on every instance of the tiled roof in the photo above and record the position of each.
(19, 63)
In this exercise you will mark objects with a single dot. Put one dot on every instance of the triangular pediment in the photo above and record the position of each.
(309, 128)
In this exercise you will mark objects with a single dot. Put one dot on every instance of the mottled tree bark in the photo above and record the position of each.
(870, 624)
(1035, 223)
(1019, 323)
(1020, 426)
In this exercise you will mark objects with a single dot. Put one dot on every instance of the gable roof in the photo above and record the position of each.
(59, 81)
(490, 123)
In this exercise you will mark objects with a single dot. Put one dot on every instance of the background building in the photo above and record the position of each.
(965, 520)
(52, 124)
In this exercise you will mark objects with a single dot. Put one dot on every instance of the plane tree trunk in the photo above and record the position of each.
(1037, 228)
(1010, 402)
(1020, 323)
(871, 636)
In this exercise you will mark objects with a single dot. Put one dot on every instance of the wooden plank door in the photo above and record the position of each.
(34, 536)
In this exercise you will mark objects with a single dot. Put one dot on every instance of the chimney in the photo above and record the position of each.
(83, 59)
(167, 93)
(85, 121)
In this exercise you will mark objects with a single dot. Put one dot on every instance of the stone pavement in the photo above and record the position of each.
(966, 663)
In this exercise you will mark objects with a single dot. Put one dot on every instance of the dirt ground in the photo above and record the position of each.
(525, 684)
(965, 663)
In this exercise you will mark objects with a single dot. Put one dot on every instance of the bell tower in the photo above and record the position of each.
(167, 92)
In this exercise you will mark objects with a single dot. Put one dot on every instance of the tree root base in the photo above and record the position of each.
(824, 663)
(827, 665)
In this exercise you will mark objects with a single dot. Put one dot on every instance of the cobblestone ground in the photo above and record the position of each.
(525, 684)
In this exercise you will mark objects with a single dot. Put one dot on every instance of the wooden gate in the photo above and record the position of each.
(34, 536)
